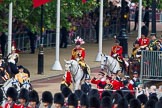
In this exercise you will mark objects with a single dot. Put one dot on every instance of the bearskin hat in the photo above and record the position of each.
(106, 93)
(47, 97)
(33, 96)
(120, 92)
(1, 95)
(123, 103)
(144, 31)
(158, 104)
(59, 98)
(129, 96)
(78, 93)
(150, 103)
(66, 91)
(84, 100)
(72, 100)
(94, 93)
(142, 98)
(94, 102)
(12, 92)
(106, 102)
(116, 98)
(24, 94)
(135, 103)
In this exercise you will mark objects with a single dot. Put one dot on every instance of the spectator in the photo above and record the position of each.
(58, 100)
(146, 17)
(150, 103)
(159, 94)
(47, 99)
(64, 37)
(136, 18)
(1, 98)
(158, 104)
(135, 80)
(78, 94)
(3, 41)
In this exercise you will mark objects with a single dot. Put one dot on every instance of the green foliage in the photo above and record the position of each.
(23, 11)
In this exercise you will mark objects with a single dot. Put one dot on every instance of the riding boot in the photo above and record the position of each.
(86, 72)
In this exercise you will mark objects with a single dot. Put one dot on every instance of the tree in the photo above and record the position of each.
(24, 12)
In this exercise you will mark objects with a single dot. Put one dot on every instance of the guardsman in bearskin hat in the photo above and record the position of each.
(106, 102)
(13, 58)
(11, 95)
(72, 101)
(78, 54)
(21, 76)
(144, 40)
(23, 98)
(34, 99)
(58, 100)
(84, 101)
(66, 91)
(47, 99)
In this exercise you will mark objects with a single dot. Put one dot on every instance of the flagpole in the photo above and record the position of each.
(139, 19)
(98, 58)
(10, 29)
(57, 65)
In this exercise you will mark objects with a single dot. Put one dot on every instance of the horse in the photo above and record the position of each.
(111, 63)
(76, 72)
(27, 85)
(10, 83)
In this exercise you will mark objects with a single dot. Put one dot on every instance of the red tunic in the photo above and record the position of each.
(116, 84)
(117, 50)
(7, 105)
(78, 53)
(144, 41)
(100, 84)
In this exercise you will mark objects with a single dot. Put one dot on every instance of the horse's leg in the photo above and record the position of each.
(77, 83)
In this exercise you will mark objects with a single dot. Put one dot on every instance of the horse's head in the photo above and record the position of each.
(68, 65)
(103, 61)
(26, 84)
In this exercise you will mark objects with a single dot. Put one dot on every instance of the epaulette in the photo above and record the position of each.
(82, 48)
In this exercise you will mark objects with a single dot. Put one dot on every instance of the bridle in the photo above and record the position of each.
(110, 64)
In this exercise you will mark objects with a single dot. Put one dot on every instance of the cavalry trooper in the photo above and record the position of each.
(153, 43)
(78, 54)
(12, 61)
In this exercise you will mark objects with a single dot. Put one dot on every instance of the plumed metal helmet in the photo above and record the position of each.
(94, 102)
(33, 96)
(72, 100)
(47, 97)
(24, 94)
(78, 93)
(1, 95)
(66, 91)
(12, 93)
(59, 98)
(84, 101)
